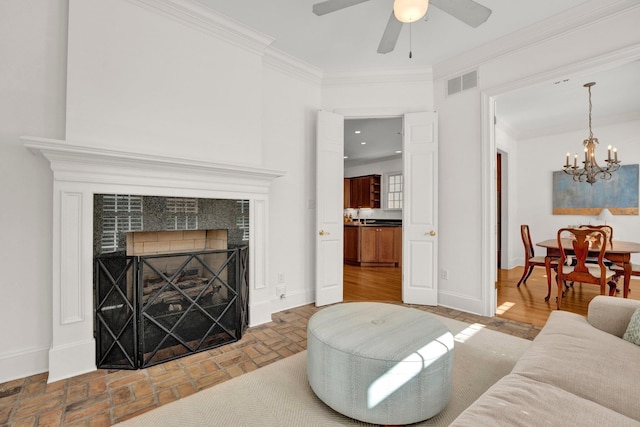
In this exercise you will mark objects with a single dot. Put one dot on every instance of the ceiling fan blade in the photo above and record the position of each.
(468, 11)
(390, 35)
(329, 6)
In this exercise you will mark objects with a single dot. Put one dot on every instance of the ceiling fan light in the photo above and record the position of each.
(410, 10)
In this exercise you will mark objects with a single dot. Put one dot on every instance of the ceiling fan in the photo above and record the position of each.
(467, 11)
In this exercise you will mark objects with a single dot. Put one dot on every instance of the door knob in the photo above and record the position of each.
(323, 233)
(431, 233)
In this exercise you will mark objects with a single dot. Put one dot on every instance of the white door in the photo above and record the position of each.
(420, 211)
(329, 207)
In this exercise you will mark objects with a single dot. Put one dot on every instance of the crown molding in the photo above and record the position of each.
(577, 125)
(292, 66)
(222, 27)
(566, 22)
(383, 76)
(200, 17)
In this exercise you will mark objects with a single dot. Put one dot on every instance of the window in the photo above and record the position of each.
(185, 213)
(242, 220)
(394, 191)
(120, 213)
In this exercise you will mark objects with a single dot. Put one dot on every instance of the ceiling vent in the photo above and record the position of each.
(462, 83)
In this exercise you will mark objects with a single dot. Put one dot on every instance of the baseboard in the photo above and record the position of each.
(259, 313)
(461, 302)
(72, 359)
(292, 300)
(23, 363)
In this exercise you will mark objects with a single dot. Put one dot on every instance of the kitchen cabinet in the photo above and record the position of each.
(347, 193)
(364, 192)
(377, 245)
(373, 246)
(351, 244)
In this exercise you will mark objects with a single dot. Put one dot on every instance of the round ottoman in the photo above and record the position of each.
(380, 363)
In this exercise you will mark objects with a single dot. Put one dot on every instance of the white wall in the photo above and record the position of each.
(143, 81)
(378, 95)
(289, 110)
(540, 157)
(32, 83)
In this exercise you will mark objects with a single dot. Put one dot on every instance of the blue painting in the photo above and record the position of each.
(619, 194)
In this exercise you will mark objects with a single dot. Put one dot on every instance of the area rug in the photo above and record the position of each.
(279, 394)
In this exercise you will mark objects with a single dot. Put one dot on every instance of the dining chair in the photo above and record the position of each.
(581, 241)
(530, 260)
(608, 231)
(619, 272)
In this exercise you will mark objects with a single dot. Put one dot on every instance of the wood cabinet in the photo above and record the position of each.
(364, 192)
(351, 244)
(377, 245)
(373, 246)
(347, 193)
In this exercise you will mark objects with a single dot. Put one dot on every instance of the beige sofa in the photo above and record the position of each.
(577, 372)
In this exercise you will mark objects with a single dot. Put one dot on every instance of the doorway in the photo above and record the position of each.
(373, 147)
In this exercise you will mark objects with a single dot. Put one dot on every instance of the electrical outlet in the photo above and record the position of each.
(281, 291)
(281, 277)
(444, 274)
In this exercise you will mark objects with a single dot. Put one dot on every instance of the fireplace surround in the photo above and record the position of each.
(81, 172)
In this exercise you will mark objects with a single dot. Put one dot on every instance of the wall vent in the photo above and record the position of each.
(462, 83)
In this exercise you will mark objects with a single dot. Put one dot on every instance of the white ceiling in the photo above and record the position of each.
(563, 104)
(346, 40)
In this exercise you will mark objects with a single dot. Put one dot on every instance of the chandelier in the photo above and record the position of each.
(591, 171)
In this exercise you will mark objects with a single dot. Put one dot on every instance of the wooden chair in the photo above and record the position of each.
(530, 260)
(582, 241)
(608, 231)
(619, 272)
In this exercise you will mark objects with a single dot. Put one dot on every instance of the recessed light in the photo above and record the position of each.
(398, 151)
(363, 143)
(357, 131)
(346, 157)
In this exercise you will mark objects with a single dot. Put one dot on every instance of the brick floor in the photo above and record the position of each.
(105, 397)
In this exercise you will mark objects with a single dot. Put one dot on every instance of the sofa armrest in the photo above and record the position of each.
(611, 314)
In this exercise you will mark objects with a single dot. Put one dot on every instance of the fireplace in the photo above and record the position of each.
(79, 173)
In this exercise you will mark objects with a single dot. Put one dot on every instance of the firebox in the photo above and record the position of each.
(154, 308)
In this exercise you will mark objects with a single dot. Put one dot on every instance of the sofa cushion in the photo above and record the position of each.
(519, 401)
(632, 334)
(574, 356)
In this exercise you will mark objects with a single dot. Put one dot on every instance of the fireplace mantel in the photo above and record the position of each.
(61, 154)
(80, 172)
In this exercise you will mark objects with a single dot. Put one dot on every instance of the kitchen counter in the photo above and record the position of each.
(375, 223)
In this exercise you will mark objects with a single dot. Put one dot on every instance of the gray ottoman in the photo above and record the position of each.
(380, 363)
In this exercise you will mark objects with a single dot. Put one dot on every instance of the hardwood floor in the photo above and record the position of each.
(524, 304)
(372, 283)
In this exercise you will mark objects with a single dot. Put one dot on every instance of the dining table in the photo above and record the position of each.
(617, 251)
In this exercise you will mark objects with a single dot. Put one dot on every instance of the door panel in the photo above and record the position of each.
(420, 213)
(329, 205)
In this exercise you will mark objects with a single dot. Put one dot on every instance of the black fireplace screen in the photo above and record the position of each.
(150, 309)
